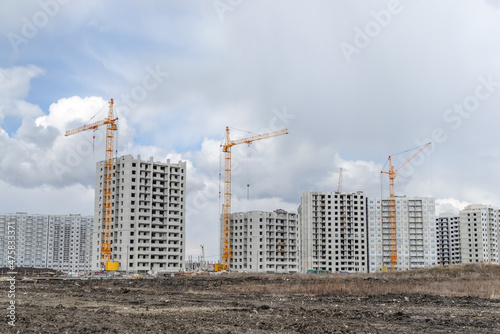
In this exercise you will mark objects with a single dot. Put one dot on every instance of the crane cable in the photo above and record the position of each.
(93, 134)
(93, 142)
(220, 187)
(252, 133)
(116, 145)
(392, 155)
(432, 186)
(248, 172)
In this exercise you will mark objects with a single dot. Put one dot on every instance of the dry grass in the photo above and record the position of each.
(466, 280)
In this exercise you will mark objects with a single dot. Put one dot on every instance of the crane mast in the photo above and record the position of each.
(226, 148)
(110, 122)
(392, 205)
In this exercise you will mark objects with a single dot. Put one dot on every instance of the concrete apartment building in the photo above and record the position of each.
(263, 242)
(415, 233)
(148, 215)
(333, 230)
(448, 239)
(61, 242)
(479, 226)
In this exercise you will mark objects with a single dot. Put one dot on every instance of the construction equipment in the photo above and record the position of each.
(341, 173)
(226, 148)
(203, 261)
(111, 127)
(392, 205)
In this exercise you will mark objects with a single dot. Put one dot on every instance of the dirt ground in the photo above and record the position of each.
(243, 304)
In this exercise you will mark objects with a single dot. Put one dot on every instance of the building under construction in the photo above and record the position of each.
(147, 215)
(333, 232)
(415, 233)
(448, 239)
(479, 227)
(263, 242)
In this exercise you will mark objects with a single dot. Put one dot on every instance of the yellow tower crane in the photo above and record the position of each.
(111, 127)
(226, 148)
(392, 205)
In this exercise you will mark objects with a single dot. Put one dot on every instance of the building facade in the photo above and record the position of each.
(479, 226)
(148, 215)
(333, 230)
(263, 242)
(415, 233)
(448, 239)
(60, 242)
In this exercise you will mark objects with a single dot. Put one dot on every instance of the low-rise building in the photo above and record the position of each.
(263, 242)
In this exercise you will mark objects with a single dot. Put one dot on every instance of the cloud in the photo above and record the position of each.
(30, 133)
(14, 87)
(75, 199)
(393, 96)
(38, 154)
(493, 3)
(450, 205)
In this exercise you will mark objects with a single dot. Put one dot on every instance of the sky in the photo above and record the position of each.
(354, 82)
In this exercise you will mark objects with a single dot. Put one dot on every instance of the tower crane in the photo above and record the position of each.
(111, 127)
(226, 148)
(392, 204)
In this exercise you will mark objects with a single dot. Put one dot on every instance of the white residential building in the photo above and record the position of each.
(415, 233)
(148, 215)
(333, 232)
(448, 239)
(479, 226)
(61, 242)
(263, 242)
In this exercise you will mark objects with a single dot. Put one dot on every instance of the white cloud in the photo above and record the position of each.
(493, 3)
(39, 153)
(42, 199)
(14, 87)
(391, 97)
(450, 205)
(69, 113)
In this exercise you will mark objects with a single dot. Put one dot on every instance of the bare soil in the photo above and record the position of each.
(236, 303)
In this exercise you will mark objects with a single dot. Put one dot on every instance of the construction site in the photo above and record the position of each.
(462, 299)
(139, 221)
(143, 282)
(232, 166)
